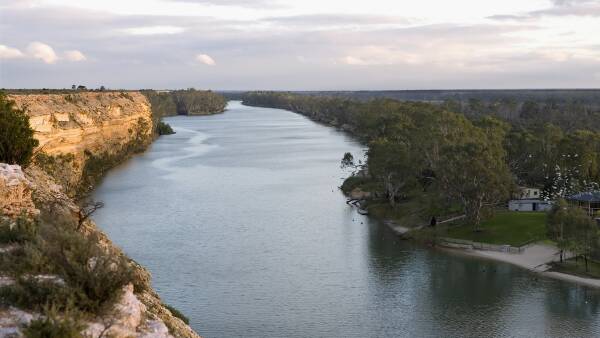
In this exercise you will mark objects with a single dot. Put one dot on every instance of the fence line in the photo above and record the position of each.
(466, 244)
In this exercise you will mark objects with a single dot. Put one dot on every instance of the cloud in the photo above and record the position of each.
(578, 8)
(75, 56)
(205, 59)
(10, 53)
(262, 4)
(42, 51)
(312, 21)
(337, 51)
(571, 2)
(154, 30)
(352, 60)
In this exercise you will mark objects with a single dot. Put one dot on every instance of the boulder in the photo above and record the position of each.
(15, 192)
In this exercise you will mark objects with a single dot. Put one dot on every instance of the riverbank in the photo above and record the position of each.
(535, 258)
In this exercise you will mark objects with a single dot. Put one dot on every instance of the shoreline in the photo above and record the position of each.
(535, 257)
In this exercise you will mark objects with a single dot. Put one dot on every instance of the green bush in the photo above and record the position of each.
(25, 259)
(33, 294)
(163, 128)
(16, 136)
(96, 275)
(353, 182)
(177, 314)
(19, 231)
(53, 325)
(91, 277)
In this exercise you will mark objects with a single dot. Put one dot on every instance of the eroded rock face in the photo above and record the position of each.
(15, 192)
(128, 319)
(71, 125)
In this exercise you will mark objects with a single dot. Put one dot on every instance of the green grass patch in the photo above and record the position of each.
(577, 268)
(514, 228)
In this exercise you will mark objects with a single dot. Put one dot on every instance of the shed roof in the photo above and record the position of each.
(588, 196)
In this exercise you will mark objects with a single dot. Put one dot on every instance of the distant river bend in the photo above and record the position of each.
(240, 221)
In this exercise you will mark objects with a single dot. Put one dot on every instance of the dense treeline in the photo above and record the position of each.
(181, 102)
(185, 102)
(447, 159)
(570, 108)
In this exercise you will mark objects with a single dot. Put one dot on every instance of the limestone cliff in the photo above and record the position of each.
(73, 130)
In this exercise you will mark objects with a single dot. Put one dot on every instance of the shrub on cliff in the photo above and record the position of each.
(19, 231)
(16, 136)
(94, 275)
(163, 128)
(54, 324)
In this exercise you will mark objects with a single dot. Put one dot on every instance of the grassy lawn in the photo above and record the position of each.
(514, 228)
(578, 268)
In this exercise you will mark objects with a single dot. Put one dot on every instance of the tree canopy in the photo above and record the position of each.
(16, 136)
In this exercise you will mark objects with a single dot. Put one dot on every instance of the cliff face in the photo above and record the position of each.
(75, 130)
(72, 128)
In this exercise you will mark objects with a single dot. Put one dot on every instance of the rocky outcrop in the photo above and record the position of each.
(15, 192)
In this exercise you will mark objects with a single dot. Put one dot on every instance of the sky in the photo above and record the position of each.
(300, 44)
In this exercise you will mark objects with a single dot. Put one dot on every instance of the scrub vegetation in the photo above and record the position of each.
(56, 267)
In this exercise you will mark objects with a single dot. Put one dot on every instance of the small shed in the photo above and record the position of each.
(588, 201)
(529, 205)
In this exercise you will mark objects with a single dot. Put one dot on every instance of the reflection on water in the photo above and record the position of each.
(240, 221)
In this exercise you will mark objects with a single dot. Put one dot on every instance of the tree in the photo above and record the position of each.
(16, 136)
(86, 210)
(471, 174)
(573, 230)
(392, 163)
(474, 170)
(557, 225)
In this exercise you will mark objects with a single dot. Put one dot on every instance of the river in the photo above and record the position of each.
(240, 221)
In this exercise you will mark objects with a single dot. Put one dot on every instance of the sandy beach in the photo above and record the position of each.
(535, 258)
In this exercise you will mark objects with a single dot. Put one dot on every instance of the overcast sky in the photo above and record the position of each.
(300, 44)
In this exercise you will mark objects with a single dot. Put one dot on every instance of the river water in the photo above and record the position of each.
(240, 221)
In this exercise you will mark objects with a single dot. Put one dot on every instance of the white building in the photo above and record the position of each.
(528, 193)
(529, 205)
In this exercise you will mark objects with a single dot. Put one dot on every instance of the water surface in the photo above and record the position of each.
(240, 221)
